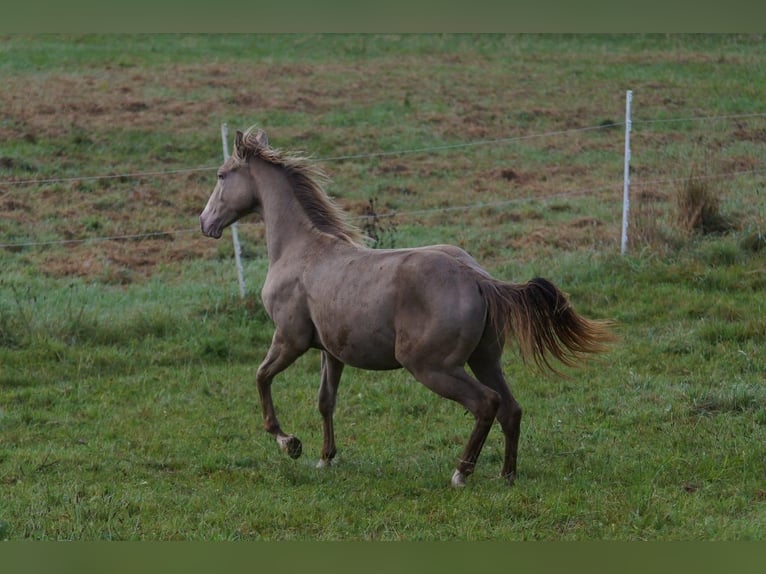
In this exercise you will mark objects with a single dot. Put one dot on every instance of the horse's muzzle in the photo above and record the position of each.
(210, 231)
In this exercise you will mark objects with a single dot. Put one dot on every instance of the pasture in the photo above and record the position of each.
(128, 409)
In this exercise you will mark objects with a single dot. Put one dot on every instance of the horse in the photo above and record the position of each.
(430, 310)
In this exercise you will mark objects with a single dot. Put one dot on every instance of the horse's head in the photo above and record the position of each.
(234, 193)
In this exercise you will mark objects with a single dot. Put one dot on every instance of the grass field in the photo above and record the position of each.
(128, 409)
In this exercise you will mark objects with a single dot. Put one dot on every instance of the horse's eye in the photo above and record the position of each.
(221, 176)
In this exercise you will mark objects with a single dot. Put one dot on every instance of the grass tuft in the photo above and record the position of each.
(698, 207)
(736, 399)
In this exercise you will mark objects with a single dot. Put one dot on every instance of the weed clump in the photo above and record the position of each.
(666, 223)
(647, 222)
(754, 241)
(381, 234)
(699, 208)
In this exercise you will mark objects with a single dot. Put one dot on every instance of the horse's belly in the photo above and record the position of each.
(370, 363)
(360, 347)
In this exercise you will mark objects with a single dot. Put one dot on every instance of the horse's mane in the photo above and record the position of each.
(307, 179)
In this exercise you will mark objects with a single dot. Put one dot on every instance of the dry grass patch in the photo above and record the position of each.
(698, 207)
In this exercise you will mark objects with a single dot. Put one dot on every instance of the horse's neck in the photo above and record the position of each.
(288, 229)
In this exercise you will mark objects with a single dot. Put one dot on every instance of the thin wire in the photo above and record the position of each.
(327, 159)
(640, 183)
(466, 144)
(97, 239)
(384, 154)
(415, 213)
(97, 177)
(699, 118)
(492, 204)
(389, 153)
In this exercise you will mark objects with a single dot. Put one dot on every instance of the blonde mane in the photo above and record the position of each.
(307, 179)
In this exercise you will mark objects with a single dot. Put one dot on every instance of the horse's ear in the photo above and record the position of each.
(262, 139)
(239, 142)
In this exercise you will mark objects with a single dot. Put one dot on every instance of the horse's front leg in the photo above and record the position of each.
(281, 355)
(332, 369)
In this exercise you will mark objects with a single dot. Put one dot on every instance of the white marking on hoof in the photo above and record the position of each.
(324, 463)
(291, 445)
(458, 479)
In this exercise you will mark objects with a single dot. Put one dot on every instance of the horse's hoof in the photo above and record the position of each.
(291, 445)
(324, 462)
(510, 478)
(458, 479)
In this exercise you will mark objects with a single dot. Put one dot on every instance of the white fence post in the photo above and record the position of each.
(626, 182)
(234, 232)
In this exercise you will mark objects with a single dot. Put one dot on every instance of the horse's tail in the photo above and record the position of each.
(538, 315)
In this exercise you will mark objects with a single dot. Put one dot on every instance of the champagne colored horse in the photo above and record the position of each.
(430, 310)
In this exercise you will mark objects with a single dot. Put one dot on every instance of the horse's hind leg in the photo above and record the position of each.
(480, 401)
(485, 363)
(281, 355)
(331, 372)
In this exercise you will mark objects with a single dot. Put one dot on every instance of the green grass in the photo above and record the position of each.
(128, 409)
(144, 423)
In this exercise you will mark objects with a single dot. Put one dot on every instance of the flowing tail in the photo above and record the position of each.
(538, 315)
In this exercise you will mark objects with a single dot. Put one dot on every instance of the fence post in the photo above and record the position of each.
(626, 177)
(234, 232)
